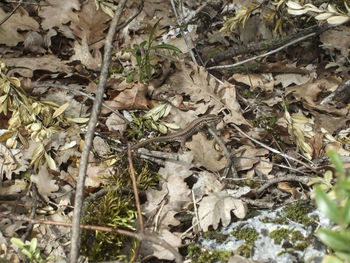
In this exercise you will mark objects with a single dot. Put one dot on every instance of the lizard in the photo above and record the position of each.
(182, 135)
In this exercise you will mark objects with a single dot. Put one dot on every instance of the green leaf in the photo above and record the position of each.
(138, 60)
(36, 255)
(331, 259)
(326, 205)
(335, 240)
(336, 161)
(344, 256)
(346, 212)
(129, 78)
(143, 43)
(26, 252)
(148, 71)
(33, 245)
(150, 40)
(17, 242)
(328, 176)
(345, 185)
(166, 46)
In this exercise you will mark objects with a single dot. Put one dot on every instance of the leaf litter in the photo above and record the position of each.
(277, 103)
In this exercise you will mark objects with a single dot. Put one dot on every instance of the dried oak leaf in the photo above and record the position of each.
(18, 21)
(175, 190)
(12, 161)
(133, 97)
(44, 182)
(205, 154)
(252, 155)
(217, 207)
(82, 53)
(159, 252)
(262, 81)
(58, 13)
(206, 184)
(196, 82)
(91, 29)
(25, 66)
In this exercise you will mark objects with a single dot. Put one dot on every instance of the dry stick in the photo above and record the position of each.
(290, 177)
(78, 202)
(32, 213)
(123, 24)
(137, 200)
(263, 55)
(36, 85)
(182, 32)
(139, 236)
(274, 150)
(14, 10)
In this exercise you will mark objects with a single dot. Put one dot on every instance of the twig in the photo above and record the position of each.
(227, 154)
(182, 32)
(14, 10)
(263, 55)
(291, 177)
(119, 27)
(36, 85)
(258, 203)
(90, 134)
(273, 150)
(32, 213)
(137, 199)
(274, 164)
(139, 236)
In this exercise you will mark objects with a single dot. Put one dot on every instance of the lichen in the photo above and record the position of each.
(201, 255)
(294, 238)
(298, 213)
(215, 235)
(249, 235)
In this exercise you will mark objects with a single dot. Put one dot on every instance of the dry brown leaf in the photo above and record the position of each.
(228, 93)
(288, 188)
(264, 167)
(250, 152)
(133, 98)
(217, 207)
(12, 187)
(34, 43)
(19, 21)
(91, 29)
(44, 182)
(114, 123)
(309, 91)
(59, 13)
(46, 63)
(82, 53)
(207, 183)
(174, 189)
(196, 82)
(154, 198)
(159, 252)
(12, 161)
(316, 143)
(205, 154)
(291, 78)
(337, 39)
(262, 81)
(75, 110)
